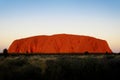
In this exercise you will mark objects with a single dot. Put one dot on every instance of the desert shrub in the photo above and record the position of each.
(114, 65)
(81, 68)
(69, 69)
(20, 69)
(28, 72)
(63, 68)
(53, 71)
(108, 56)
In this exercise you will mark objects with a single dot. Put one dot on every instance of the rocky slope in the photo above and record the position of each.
(59, 43)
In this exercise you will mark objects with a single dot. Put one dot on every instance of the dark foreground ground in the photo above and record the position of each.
(60, 67)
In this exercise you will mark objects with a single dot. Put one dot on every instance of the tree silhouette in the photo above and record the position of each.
(86, 52)
(5, 52)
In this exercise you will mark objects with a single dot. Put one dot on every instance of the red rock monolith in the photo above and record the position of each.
(60, 43)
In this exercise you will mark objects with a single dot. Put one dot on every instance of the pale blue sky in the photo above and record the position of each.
(24, 18)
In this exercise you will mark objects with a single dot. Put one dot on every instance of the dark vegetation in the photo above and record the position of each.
(5, 52)
(60, 67)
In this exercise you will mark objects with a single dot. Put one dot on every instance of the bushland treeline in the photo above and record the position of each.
(59, 67)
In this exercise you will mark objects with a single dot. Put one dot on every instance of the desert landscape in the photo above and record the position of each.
(59, 57)
(59, 39)
(59, 67)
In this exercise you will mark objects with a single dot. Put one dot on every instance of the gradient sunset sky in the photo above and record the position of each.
(25, 18)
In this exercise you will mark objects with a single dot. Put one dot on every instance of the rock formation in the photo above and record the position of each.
(59, 43)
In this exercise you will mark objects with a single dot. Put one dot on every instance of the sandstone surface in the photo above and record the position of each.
(59, 43)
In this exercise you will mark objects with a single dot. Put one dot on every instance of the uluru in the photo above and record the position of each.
(59, 43)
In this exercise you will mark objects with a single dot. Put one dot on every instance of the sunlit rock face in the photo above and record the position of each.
(59, 43)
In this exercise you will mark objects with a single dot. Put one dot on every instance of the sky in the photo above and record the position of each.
(25, 18)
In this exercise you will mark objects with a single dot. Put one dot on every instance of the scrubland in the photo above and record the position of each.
(59, 67)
